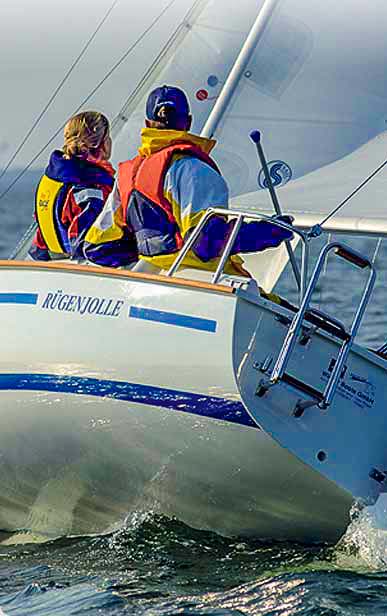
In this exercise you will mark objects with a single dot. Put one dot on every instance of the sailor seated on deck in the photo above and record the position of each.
(74, 188)
(161, 195)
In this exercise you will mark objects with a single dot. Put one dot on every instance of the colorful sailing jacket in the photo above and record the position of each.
(160, 197)
(69, 197)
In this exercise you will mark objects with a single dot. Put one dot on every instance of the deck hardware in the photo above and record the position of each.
(261, 391)
(306, 335)
(325, 322)
(239, 217)
(263, 366)
(302, 405)
(301, 386)
(353, 257)
(262, 388)
(379, 476)
(281, 318)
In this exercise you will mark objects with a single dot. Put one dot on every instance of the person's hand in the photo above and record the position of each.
(280, 232)
(285, 218)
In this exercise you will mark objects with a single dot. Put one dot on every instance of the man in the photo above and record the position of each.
(162, 193)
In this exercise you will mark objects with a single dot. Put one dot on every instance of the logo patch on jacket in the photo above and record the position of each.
(44, 200)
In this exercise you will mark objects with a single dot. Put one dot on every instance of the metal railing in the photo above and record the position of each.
(240, 217)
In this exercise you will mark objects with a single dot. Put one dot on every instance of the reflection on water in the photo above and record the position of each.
(155, 566)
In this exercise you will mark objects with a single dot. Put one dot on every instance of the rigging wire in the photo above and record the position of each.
(376, 251)
(352, 194)
(58, 89)
(155, 67)
(99, 84)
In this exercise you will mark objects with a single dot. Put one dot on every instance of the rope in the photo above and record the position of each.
(58, 89)
(108, 74)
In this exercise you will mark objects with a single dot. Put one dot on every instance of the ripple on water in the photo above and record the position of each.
(158, 566)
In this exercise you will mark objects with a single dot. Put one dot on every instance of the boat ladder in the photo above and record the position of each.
(324, 322)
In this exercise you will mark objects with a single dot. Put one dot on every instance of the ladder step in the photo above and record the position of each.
(319, 319)
(326, 323)
(303, 387)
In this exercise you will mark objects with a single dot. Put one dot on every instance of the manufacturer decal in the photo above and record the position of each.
(353, 387)
(83, 304)
(280, 174)
(44, 200)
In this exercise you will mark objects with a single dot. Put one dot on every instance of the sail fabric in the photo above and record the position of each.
(197, 59)
(311, 198)
(315, 85)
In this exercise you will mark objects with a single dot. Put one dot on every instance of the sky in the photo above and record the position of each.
(39, 40)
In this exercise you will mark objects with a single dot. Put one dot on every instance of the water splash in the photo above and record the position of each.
(364, 544)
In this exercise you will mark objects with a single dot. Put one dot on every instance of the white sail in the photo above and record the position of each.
(197, 58)
(311, 198)
(314, 86)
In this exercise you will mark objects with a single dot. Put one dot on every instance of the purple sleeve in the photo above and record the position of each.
(253, 236)
(116, 253)
(258, 235)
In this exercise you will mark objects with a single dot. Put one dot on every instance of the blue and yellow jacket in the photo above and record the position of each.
(69, 197)
(161, 195)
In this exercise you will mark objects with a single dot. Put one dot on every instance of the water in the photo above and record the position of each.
(158, 566)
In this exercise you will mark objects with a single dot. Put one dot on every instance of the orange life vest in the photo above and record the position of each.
(143, 177)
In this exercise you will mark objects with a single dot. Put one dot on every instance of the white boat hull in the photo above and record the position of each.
(132, 405)
(79, 464)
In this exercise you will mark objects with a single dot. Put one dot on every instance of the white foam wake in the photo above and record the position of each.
(365, 541)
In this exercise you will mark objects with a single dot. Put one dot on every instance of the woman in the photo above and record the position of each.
(74, 188)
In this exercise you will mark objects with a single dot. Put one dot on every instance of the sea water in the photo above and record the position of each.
(157, 566)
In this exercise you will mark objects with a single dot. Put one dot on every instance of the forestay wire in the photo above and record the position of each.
(316, 230)
(58, 89)
(95, 89)
(155, 68)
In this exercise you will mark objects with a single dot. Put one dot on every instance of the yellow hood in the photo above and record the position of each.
(154, 139)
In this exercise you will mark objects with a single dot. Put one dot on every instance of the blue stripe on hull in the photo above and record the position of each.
(18, 298)
(172, 318)
(186, 402)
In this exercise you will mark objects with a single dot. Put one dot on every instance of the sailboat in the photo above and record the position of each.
(199, 398)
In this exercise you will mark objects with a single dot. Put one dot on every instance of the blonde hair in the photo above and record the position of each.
(84, 134)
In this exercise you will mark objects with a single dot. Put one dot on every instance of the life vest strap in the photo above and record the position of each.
(47, 195)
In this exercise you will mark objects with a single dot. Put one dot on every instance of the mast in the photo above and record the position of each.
(239, 67)
(228, 90)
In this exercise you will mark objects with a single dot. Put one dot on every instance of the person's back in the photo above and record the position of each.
(74, 188)
(162, 194)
